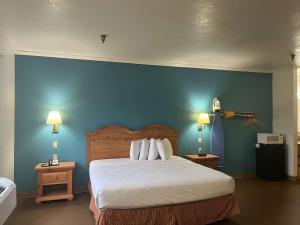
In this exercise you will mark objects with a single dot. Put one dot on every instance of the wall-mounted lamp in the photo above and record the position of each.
(202, 120)
(54, 119)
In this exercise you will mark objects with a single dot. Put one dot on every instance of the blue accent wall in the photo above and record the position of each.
(92, 94)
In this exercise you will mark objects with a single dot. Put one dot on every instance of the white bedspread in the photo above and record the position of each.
(125, 183)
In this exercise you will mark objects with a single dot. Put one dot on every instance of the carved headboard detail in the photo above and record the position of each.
(114, 141)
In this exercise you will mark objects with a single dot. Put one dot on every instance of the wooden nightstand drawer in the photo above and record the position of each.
(55, 178)
(207, 160)
(210, 164)
(202, 161)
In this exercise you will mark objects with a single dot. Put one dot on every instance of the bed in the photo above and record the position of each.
(172, 192)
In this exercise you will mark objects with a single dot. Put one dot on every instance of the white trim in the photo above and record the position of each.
(7, 105)
(284, 90)
(138, 61)
(285, 68)
(8, 47)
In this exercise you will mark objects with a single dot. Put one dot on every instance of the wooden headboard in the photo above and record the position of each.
(114, 141)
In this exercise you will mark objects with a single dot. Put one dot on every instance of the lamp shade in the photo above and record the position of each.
(54, 118)
(203, 119)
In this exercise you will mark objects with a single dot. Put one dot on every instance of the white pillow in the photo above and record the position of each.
(164, 148)
(135, 149)
(153, 152)
(144, 149)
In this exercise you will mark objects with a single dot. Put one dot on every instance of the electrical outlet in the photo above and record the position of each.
(199, 140)
(54, 144)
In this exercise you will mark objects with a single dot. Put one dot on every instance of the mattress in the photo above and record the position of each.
(125, 183)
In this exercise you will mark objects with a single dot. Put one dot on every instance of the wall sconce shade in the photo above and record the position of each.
(54, 119)
(202, 120)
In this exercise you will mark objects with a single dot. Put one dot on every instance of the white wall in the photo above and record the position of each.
(285, 112)
(298, 102)
(7, 107)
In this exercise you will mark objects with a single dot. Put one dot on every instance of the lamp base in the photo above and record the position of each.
(55, 128)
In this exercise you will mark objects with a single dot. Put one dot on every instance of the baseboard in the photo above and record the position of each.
(26, 194)
(242, 176)
(33, 194)
(292, 178)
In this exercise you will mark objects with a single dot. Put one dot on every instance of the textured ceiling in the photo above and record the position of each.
(251, 35)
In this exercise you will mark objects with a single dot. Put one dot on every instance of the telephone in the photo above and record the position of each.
(51, 162)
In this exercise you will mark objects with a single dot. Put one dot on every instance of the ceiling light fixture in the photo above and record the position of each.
(56, 3)
(292, 56)
(103, 37)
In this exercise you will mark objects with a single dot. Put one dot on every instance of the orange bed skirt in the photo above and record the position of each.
(192, 213)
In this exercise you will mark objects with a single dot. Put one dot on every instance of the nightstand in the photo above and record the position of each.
(209, 160)
(54, 182)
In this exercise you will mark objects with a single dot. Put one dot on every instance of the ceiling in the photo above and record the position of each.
(243, 35)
